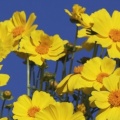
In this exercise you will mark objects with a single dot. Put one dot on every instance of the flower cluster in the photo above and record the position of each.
(91, 91)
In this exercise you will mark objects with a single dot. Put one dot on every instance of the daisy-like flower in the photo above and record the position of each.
(96, 69)
(18, 26)
(79, 16)
(59, 111)
(3, 78)
(77, 10)
(43, 47)
(72, 82)
(6, 41)
(108, 101)
(25, 108)
(108, 31)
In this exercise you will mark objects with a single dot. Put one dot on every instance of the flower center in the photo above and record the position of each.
(42, 49)
(32, 111)
(114, 34)
(18, 31)
(101, 76)
(78, 69)
(114, 98)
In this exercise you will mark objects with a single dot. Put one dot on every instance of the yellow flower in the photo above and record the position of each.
(108, 31)
(77, 10)
(96, 69)
(3, 78)
(108, 101)
(79, 16)
(72, 82)
(43, 47)
(59, 111)
(5, 118)
(18, 26)
(25, 108)
(6, 41)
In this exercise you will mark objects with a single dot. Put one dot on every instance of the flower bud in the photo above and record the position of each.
(48, 76)
(81, 108)
(69, 47)
(53, 84)
(7, 94)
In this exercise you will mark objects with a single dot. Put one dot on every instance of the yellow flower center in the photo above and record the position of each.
(32, 111)
(101, 76)
(114, 98)
(78, 69)
(18, 31)
(42, 49)
(114, 34)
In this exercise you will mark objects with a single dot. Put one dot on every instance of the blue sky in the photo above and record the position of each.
(53, 20)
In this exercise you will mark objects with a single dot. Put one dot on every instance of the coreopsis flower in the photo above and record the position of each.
(42, 47)
(5, 118)
(26, 108)
(18, 26)
(3, 78)
(96, 69)
(59, 111)
(6, 41)
(108, 31)
(108, 101)
(72, 82)
(79, 16)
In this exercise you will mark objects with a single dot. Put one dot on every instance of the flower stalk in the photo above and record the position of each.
(28, 77)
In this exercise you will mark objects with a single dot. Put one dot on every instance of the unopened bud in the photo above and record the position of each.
(81, 108)
(7, 94)
(48, 76)
(53, 84)
(69, 47)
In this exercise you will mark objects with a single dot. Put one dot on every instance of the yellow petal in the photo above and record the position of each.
(108, 65)
(115, 19)
(42, 99)
(102, 22)
(91, 68)
(30, 21)
(101, 99)
(4, 79)
(111, 82)
(113, 51)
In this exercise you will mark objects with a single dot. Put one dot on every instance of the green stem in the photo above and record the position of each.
(56, 67)
(72, 57)
(64, 67)
(77, 99)
(41, 77)
(1, 113)
(95, 49)
(28, 77)
(101, 53)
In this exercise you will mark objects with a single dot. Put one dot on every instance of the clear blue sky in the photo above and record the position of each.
(53, 20)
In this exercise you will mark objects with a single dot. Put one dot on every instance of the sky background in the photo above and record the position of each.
(53, 20)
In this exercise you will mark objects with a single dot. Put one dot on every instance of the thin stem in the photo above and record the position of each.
(77, 99)
(28, 77)
(56, 67)
(1, 113)
(64, 67)
(95, 49)
(72, 57)
(101, 53)
(41, 77)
